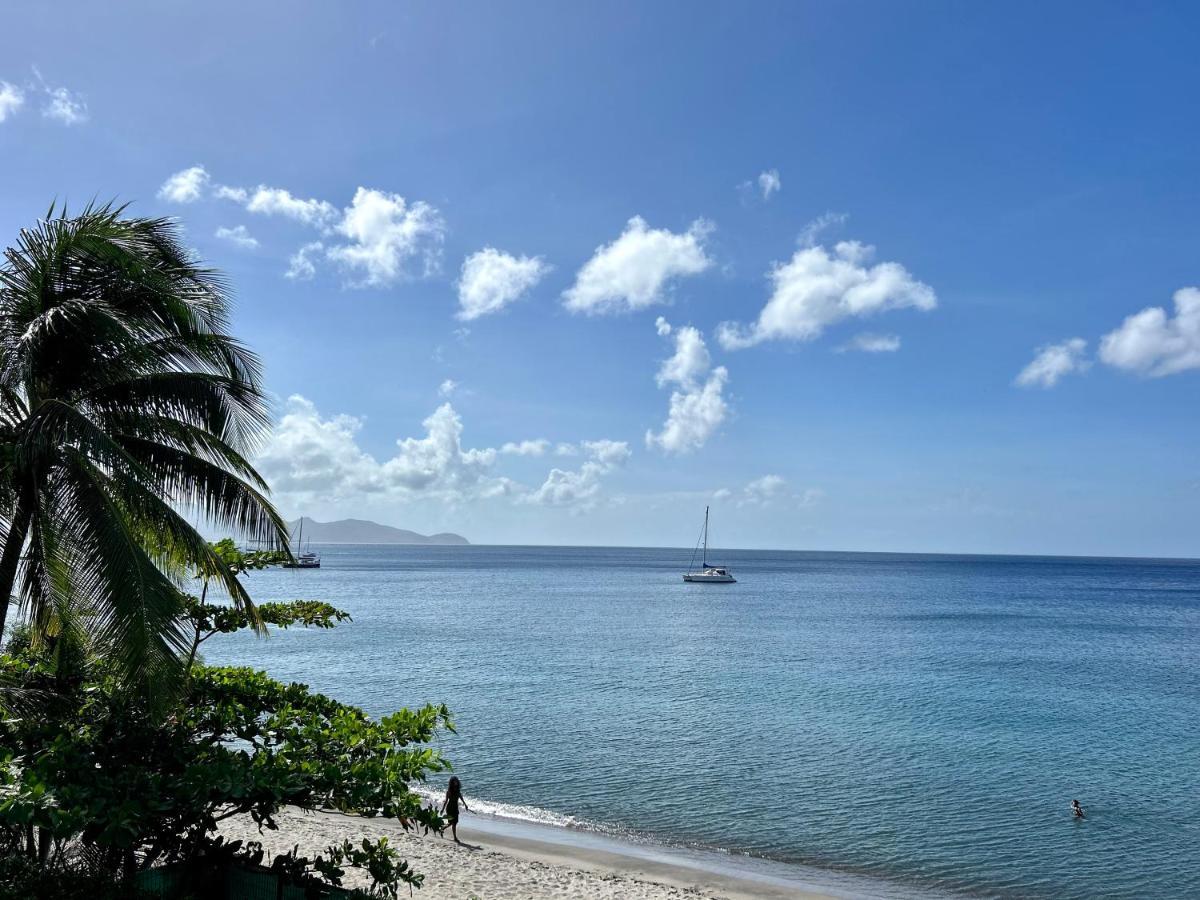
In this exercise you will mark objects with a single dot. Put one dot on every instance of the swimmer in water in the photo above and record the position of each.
(1077, 810)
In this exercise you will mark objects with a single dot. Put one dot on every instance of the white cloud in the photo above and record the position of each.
(769, 183)
(491, 279)
(236, 194)
(662, 326)
(447, 387)
(765, 489)
(308, 455)
(634, 271)
(386, 233)
(698, 407)
(237, 235)
(822, 223)
(818, 288)
(606, 452)
(269, 201)
(185, 186)
(438, 462)
(580, 488)
(64, 106)
(690, 361)
(526, 448)
(1052, 362)
(300, 265)
(312, 457)
(769, 489)
(1152, 343)
(12, 98)
(868, 342)
(565, 449)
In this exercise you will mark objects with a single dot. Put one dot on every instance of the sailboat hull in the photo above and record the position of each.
(710, 578)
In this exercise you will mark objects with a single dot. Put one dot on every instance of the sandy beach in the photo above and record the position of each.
(494, 863)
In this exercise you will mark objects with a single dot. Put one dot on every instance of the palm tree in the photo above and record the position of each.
(125, 406)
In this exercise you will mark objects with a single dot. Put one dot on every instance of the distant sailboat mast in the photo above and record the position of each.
(303, 559)
(708, 571)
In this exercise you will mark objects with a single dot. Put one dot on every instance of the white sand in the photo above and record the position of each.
(493, 865)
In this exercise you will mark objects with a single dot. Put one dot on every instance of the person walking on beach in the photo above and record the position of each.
(454, 796)
(1077, 810)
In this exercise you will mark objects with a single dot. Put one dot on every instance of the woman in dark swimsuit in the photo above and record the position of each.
(454, 796)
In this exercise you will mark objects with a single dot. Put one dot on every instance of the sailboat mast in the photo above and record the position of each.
(705, 558)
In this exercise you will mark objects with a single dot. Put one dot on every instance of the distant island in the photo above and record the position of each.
(360, 531)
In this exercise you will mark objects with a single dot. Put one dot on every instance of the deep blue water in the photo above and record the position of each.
(925, 720)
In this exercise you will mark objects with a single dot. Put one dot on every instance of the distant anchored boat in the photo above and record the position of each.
(708, 573)
(304, 559)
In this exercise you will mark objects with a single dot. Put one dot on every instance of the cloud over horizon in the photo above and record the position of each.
(311, 458)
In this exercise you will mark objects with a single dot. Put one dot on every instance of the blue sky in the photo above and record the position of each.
(644, 173)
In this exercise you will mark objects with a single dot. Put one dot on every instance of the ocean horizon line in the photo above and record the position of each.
(948, 554)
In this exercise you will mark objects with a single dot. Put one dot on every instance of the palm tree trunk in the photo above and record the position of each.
(11, 558)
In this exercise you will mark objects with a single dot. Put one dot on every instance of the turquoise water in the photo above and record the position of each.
(920, 720)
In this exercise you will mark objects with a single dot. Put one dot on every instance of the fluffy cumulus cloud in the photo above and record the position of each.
(697, 407)
(238, 235)
(447, 387)
(636, 269)
(537, 447)
(302, 264)
(765, 489)
(580, 488)
(1052, 362)
(769, 183)
(869, 342)
(317, 457)
(769, 490)
(186, 186)
(65, 106)
(310, 457)
(818, 288)
(12, 98)
(378, 240)
(1154, 343)
(59, 103)
(269, 201)
(492, 279)
(386, 235)
(689, 363)
(314, 458)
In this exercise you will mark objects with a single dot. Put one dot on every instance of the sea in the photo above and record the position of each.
(886, 725)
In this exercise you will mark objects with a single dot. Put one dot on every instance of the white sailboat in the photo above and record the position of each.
(708, 572)
(304, 557)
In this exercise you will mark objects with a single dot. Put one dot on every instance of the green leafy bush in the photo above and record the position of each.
(94, 778)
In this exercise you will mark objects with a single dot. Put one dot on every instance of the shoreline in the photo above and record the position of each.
(505, 859)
